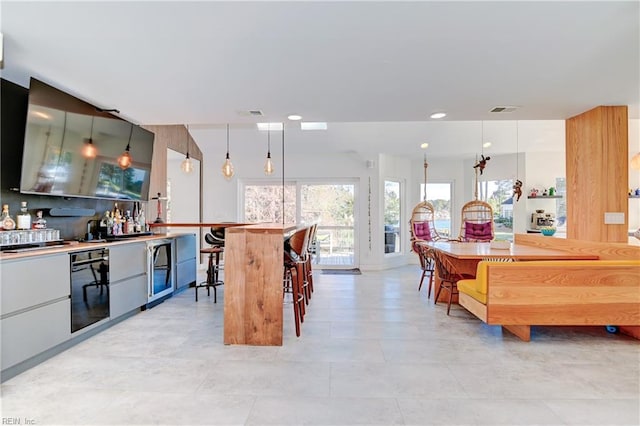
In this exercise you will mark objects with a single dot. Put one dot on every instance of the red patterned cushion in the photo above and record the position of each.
(477, 231)
(421, 231)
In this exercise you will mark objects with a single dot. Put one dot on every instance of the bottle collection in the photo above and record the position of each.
(25, 230)
(117, 222)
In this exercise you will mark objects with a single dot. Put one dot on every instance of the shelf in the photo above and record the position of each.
(545, 196)
(634, 196)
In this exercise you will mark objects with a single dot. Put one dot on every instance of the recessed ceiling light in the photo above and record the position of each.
(308, 125)
(269, 126)
(438, 115)
(294, 117)
(424, 145)
(486, 144)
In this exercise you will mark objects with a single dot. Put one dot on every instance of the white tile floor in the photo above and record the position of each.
(373, 351)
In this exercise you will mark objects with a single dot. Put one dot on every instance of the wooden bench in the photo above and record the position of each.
(517, 295)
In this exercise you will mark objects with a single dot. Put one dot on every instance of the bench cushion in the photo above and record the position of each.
(469, 287)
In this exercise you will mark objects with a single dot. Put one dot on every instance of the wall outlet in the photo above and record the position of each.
(614, 218)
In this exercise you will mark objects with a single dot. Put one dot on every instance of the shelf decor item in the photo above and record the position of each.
(548, 231)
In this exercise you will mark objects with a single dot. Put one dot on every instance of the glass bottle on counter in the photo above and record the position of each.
(142, 221)
(24, 218)
(6, 221)
(40, 222)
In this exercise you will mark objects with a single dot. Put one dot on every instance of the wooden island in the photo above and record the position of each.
(254, 265)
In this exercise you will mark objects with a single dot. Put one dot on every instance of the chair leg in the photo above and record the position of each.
(437, 295)
(430, 284)
(424, 271)
(452, 284)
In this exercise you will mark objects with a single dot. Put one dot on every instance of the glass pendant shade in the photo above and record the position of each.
(89, 149)
(227, 168)
(268, 166)
(187, 165)
(124, 161)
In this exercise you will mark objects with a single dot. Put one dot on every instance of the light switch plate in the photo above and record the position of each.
(614, 218)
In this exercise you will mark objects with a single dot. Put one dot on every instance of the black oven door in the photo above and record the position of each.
(89, 287)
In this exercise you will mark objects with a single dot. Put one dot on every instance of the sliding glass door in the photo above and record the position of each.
(330, 205)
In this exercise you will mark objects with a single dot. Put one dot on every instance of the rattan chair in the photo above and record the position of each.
(476, 224)
(422, 228)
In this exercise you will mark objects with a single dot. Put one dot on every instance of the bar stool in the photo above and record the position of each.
(213, 268)
(298, 244)
(292, 283)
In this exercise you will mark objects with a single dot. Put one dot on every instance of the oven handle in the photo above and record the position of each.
(88, 261)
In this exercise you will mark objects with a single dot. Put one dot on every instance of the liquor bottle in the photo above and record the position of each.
(24, 218)
(39, 223)
(142, 220)
(6, 221)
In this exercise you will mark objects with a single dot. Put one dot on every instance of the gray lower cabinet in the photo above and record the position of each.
(35, 307)
(27, 334)
(186, 263)
(127, 278)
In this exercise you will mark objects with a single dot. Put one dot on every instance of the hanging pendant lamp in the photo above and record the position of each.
(187, 165)
(124, 161)
(227, 167)
(89, 149)
(268, 165)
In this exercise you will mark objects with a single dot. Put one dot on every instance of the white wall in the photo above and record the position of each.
(248, 151)
(184, 199)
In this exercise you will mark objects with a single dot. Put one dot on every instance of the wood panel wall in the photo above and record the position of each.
(176, 138)
(597, 173)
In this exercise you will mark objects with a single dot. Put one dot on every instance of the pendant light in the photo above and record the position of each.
(89, 149)
(187, 165)
(268, 166)
(124, 161)
(227, 167)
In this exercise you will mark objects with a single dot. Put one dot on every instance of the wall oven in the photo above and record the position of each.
(161, 272)
(89, 287)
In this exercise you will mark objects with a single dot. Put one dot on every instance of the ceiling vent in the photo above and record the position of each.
(251, 113)
(503, 109)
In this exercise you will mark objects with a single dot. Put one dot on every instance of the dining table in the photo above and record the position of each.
(465, 256)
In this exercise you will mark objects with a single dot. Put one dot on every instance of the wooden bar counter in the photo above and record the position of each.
(253, 284)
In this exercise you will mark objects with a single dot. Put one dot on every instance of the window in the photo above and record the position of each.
(499, 194)
(263, 203)
(392, 228)
(439, 195)
(331, 206)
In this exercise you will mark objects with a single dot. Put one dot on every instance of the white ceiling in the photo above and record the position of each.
(391, 63)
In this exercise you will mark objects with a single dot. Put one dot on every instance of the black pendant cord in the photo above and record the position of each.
(187, 141)
(227, 141)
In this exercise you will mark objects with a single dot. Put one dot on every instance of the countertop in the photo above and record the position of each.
(72, 246)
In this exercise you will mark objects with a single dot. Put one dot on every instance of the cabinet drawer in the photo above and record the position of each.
(126, 261)
(127, 295)
(32, 281)
(186, 273)
(30, 333)
(185, 247)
